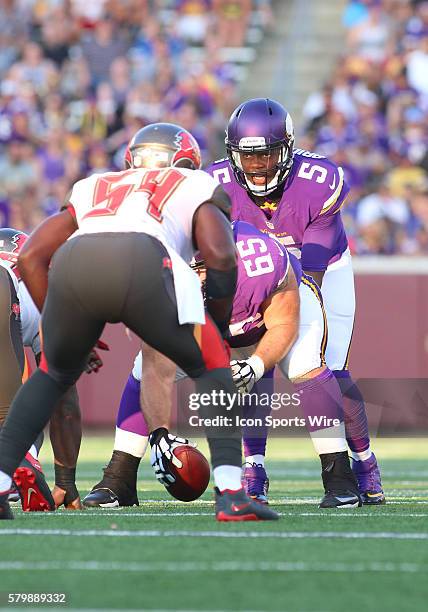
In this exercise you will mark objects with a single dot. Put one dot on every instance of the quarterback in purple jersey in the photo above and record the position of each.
(296, 196)
(277, 319)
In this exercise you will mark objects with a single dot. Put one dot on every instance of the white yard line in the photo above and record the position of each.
(119, 512)
(155, 533)
(213, 566)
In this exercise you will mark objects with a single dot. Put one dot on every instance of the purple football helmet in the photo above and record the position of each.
(260, 125)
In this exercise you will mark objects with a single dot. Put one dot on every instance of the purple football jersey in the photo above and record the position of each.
(306, 219)
(262, 266)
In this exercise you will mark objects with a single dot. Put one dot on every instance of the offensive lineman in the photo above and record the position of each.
(272, 296)
(135, 232)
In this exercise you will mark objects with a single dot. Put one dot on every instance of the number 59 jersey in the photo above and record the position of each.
(263, 264)
(156, 202)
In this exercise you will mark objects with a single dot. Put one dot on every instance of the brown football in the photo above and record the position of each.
(193, 477)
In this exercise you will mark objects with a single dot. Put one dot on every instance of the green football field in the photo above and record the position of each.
(168, 555)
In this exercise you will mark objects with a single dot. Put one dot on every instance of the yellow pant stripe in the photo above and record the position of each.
(307, 280)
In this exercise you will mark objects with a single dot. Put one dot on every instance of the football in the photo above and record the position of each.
(191, 480)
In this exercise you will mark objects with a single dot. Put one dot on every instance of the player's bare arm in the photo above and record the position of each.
(281, 318)
(158, 374)
(214, 239)
(35, 257)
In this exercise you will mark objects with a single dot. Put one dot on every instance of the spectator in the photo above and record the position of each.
(79, 78)
(372, 118)
(101, 47)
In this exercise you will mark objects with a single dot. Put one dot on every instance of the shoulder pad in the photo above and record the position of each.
(305, 153)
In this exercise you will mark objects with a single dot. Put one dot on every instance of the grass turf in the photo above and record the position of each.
(167, 555)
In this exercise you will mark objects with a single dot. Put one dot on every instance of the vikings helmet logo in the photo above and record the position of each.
(187, 148)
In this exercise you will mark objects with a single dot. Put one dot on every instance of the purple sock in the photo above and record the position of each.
(356, 426)
(130, 418)
(320, 399)
(254, 439)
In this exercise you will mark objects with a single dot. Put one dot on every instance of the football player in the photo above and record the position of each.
(296, 196)
(155, 215)
(20, 329)
(277, 319)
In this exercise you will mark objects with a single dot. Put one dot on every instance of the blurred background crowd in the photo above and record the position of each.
(371, 117)
(78, 78)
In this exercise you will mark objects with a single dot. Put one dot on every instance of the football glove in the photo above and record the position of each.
(246, 372)
(162, 446)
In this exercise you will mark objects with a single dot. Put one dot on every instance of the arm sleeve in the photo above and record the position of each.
(320, 241)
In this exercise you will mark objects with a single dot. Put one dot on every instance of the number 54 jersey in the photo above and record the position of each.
(156, 202)
(160, 203)
(306, 219)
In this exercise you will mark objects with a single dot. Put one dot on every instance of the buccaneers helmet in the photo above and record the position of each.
(163, 145)
(260, 125)
(11, 242)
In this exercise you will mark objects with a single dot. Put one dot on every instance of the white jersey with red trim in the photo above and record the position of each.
(160, 203)
(29, 314)
(156, 202)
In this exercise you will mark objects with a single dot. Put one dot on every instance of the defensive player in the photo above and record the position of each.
(271, 296)
(296, 196)
(154, 217)
(20, 328)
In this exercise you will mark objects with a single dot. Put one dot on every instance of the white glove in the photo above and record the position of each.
(246, 372)
(162, 446)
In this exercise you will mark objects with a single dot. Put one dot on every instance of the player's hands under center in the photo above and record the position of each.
(162, 446)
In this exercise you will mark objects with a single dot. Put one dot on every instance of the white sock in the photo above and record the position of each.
(227, 477)
(131, 443)
(330, 440)
(362, 456)
(5, 482)
(257, 459)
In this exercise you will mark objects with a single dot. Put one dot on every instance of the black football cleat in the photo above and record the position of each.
(13, 495)
(5, 511)
(103, 497)
(32, 486)
(340, 484)
(237, 506)
(118, 487)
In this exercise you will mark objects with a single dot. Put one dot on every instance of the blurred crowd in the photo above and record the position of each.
(79, 77)
(371, 117)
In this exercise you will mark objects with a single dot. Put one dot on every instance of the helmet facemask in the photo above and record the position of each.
(280, 170)
(163, 145)
(263, 126)
(151, 156)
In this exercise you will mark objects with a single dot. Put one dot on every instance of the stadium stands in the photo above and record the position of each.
(371, 117)
(78, 78)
